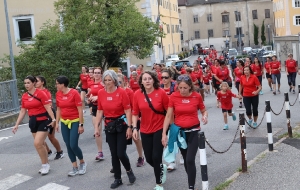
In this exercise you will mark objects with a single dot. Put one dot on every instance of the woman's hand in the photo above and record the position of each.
(128, 133)
(204, 119)
(80, 130)
(93, 98)
(135, 135)
(97, 132)
(51, 124)
(164, 140)
(56, 127)
(15, 129)
(255, 92)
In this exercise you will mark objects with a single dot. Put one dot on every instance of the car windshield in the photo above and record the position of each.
(232, 51)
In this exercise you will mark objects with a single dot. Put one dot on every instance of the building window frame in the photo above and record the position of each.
(267, 13)
(210, 33)
(254, 14)
(195, 18)
(197, 34)
(296, 20)
(168, 28)
(238, 16)
(225, 18)
(181, 35)
(226, 33)
(16, 21)
(296, 3)
(209, 17)
(239, 29)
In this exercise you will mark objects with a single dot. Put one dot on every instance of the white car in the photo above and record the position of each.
(173, 58)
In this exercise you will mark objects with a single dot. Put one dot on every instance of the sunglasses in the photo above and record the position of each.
(165, 77)
(183, 77)
(97, 72)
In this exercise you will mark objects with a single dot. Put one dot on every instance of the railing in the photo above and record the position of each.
(8, 96)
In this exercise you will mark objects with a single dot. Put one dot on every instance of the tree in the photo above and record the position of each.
(262, 36)
(256, 30)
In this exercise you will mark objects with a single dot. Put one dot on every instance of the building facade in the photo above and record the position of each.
(222, 22)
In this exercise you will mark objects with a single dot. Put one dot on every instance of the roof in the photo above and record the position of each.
(203, 2)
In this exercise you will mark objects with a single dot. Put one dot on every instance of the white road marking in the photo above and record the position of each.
(1, 138)
(13, 180)
(13, 127)
(53, 186)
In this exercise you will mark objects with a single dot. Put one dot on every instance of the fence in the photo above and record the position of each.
(8, 96)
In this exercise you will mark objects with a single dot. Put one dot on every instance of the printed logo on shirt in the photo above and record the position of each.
(109, 98)
(149, 100)
(64, 97)
(30, 99)
(117, 94)
(156, 95)
(96, 86)
(185, 101)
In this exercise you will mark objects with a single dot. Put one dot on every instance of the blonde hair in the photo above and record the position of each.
(226, 84)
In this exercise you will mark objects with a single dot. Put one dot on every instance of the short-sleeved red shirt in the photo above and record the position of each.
(130, 94)
(267, 66)
(206, 79)
(84, 80)
(34, 106)
(259, 70)
(90, 81)
(249, 85)
(182, 71)
(222, 73)
(113, 104)
(150, 121)
(48, 93)
(158, 74)
(186, 109)
(198, 74)
(274, 67)
(68, 104)
(238, 72)
(95, 87)
(226, 99)
(291, 66)
(134, 85)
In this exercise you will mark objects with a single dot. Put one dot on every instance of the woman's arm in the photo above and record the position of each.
(57, 119)
(204, 116)
(80, 129)
(20, 118)
(129, 122)
(99, 117)
(167, 121)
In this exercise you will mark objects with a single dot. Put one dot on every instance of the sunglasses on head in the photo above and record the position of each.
(163, 77)
(183, 77)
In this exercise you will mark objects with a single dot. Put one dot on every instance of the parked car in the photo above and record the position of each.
(232, 53)
(255, 52)
(247, 50)
(169, 63)
(180, 63)
(173, 58)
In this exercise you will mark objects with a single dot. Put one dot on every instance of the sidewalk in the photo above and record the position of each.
(273, 170)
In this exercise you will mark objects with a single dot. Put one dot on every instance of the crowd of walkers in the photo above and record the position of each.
(152, 108)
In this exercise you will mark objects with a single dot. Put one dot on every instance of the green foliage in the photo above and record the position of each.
(256, 30)
(224, 185)
(262, 36)
(5, 74)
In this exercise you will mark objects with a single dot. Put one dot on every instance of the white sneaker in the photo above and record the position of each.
(45, 169)
(158, 187)
(164, 176)
(82, 168)
(171, 166)
(181, 161)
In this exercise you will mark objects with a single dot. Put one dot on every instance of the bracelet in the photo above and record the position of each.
(53, 120)
(135, 128)
(130, 127)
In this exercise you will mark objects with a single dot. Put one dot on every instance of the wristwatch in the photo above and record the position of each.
(130, 126)
(135, 128)
(53, 120)
(81, 124)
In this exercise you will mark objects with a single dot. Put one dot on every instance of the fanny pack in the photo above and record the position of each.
(116, 124)
(32, 120)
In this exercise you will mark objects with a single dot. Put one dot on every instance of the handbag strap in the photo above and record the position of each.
(34, 97)
(151, 106)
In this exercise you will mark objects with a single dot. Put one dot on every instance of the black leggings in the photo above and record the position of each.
(251, 101)
(153, 150)
(292, 79)
(189, 156)
(118, 144)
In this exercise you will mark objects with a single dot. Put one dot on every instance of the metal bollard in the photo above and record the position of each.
(203, 161)
(288, 114)
(269, 125)
(243, 142)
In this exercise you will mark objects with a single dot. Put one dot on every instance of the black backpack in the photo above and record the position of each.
(172, 87)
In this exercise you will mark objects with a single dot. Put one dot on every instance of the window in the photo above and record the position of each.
(239, 30)
(24, 28)
(168, 28)
(180, 22)
(254, 14)
(181, 35)
(237, 16)
(297, 20)
(172, 28)
(226, 33)
(210, 33)
(177, 29)
(197, 34)
(225, 18)
(267, 13)
(195, 18)
(209, 18)
(296, 3)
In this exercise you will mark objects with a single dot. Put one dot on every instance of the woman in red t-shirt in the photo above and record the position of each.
(40, 84)
(222, 74)
(224, 98)
(92, 95)
(185, 104)
(291, 72)
(249, 89)
(134, 83)
(36, 103)
(89, 82)
(83, 80)
(138, 142)
(151, 101)
(259, 71)
(69, 113)
(114, 103)
(275, 69)
(167, 84)
(238, 72)
(268, 72)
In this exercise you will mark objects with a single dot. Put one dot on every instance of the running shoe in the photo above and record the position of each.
(294, 91)
(225, 127)
(254, 124)
(274, 93)
(290, 89)
(250, 122)
(171, 166)
(261, 92)
(271, 89)
(278, 91)
(158, 187)
(49, 153)
(116, 183)
(45, 169)
(99, 156)
(140, 162)
(73, 172)
(131, 176)
(164, 176)
(112, 171)
(82, 168)
(181, 161)
(241, 105)
(233, 116)
(59, 155)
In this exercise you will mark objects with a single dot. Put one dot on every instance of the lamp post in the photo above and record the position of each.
(269, 34)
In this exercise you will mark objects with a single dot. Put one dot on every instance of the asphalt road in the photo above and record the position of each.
(19, 162)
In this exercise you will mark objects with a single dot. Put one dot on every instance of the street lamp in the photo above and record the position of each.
(269, 34)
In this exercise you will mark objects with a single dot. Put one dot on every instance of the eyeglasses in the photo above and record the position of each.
(183, 77)
(91, 72)
(97, 72)
(163, 77)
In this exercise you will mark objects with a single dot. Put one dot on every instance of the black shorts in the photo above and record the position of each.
(138, 124)
(90, 104)
(217, 87)
(229, 111)
(41, 126)
(51, 128)
(84, 90)
(268, 76)
(94, 110)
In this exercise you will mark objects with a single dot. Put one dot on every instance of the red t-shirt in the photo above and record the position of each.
(274, 67)
(134, 85)
(90, 81)
(209, 74)
(113, 104)
(206, 79)
(34, 106)
(222, 73)
(68, 104)
(150, 121)
(158, 75)
(183, 71)
(258, 69)
(238, 72)
(94, 89)
(267, 66)
(226, 99)
(250, 85)
(213, 69)
(84, 80)
(130, 94)
(291, 66)
(186, 109)
(198, 74)
(48, 93)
